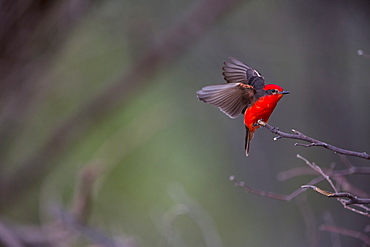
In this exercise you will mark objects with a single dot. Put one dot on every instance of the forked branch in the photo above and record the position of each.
(349, 198)
(312, 142)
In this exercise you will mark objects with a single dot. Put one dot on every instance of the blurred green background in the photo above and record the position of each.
(165, 157)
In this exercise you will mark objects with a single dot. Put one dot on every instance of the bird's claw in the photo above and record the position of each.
(260, 122)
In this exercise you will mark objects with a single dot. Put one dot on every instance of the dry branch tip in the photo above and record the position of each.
(277, 138)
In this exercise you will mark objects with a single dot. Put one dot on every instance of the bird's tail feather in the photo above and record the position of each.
(248, 139)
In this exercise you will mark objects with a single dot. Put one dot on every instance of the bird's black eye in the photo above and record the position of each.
(272, 91)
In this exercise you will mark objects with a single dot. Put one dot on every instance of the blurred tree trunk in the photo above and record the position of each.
(31, 32)
(188, 30)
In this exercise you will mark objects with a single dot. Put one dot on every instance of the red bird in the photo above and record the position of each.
(245, 92)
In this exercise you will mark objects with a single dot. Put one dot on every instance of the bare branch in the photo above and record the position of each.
(312, 142)
(339, 195)
(350, 199)
(271, 194)
(300, 171)
(319, 170)
(346, 199)
(346, 232)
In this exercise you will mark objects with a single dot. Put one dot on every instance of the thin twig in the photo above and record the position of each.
(350, 199)
(300, 171)
(319, 170)
(362, 53)
(271, 194)
(312, 142)
(346, 199)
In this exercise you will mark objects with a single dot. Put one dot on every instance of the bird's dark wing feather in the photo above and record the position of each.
(236, 71)
(231, 98)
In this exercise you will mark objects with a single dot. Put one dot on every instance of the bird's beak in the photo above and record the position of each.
(284, 92)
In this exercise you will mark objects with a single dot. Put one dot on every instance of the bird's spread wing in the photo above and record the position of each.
(244, 87)
(231, 98)
(236, 71)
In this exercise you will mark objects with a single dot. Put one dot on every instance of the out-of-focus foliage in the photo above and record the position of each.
(165, 153)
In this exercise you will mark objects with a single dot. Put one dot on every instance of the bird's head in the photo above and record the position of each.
(276, 90)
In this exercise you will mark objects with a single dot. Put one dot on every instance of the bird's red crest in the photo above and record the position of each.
(273, 86)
